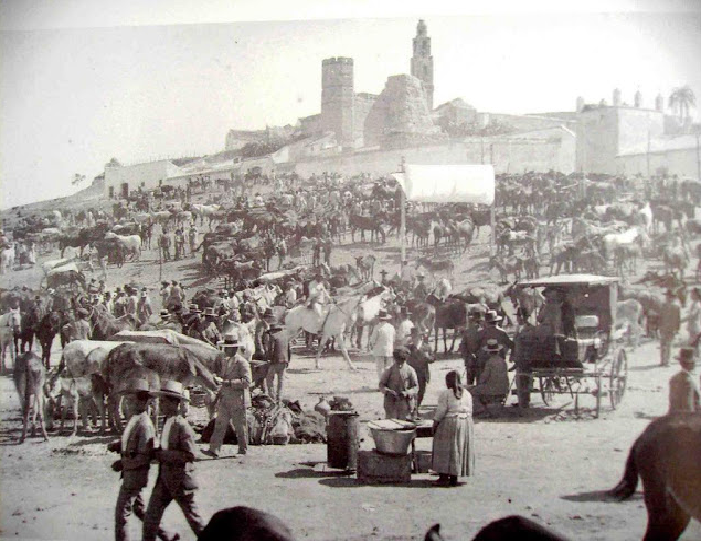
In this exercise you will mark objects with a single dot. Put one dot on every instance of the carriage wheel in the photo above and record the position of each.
(546, 390)
(618, 380)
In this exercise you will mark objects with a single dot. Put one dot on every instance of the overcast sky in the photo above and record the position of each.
(71, 98)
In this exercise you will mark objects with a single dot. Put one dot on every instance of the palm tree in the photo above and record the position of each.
(683, 97)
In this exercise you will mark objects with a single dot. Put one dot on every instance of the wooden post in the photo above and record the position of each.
(402, 226)
(492, 225)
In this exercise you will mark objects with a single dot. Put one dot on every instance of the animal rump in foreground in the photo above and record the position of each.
(513, 527)
(245, 524)
(665, 457)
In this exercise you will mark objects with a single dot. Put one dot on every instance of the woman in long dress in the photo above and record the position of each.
(453, 433)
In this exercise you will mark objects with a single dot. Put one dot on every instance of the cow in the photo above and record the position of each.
(245, 524)
(436, 266)
(131, 242)
(88, 391)
(665, 457)
(29, 377)
(79, 360)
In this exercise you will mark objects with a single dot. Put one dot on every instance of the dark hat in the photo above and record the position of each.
(493, 345)
(138, 386)
(384, 316)
(401, 353)
(164, 313)
(231, 340)
(493, 317)
(194, 309)
(269, 314)
(173, 389)
(686, 356)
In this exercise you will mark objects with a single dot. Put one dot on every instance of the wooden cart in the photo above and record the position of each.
(593, 362)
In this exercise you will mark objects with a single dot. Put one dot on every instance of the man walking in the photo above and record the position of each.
(135, 448)
(278, 355)
(670, 321)
(234, 397)
(420, 357)
(175, 457)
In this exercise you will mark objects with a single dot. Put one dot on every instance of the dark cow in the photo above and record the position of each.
(153, 361)
(666, 458)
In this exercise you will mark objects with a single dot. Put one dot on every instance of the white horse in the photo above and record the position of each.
(631, 236)
(337, 318)
(9, 324)
(7, 259)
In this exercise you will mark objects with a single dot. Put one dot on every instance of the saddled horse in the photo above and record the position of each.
(372, 223)
(338, 318)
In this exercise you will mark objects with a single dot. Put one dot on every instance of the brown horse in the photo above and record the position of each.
(665, 457)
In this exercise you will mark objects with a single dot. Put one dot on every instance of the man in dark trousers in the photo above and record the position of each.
(470, 345)
(683, 391)
(492, 331)
(278, 355)
(420, 357)
(175, 456)
(670, 322)
(135, 448)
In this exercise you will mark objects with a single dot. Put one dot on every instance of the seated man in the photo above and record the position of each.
(493, 382)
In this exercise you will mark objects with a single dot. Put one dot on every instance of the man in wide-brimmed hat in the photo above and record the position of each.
(683, 390)
(421, 290)
(494, 379)
(670, 323)
(175, 457)
(210, 333)
(278, 355)
(136, 449)
(234, 373)
(492, 331)
(399, 385)
(420, 357)
(381, 342)
(81, 327)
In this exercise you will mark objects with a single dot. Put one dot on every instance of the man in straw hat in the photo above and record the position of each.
(234, 373)
(492, 331)
(494, 379)
(670, 322)
(175, 457)
(135, 448)
(210, 333)
(278, 355)
(399, 384)
(381, 342)
(683, 391)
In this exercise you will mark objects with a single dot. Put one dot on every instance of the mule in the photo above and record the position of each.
(29, 377)
(245, 524)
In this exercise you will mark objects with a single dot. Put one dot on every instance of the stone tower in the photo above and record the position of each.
(337, 99)
(422, 61)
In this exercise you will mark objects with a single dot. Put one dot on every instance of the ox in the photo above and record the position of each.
(85, 391)
(132, 243)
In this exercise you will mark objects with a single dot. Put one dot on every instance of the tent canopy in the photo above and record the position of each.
(448, 183)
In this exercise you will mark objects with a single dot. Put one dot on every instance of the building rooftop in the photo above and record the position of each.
(682, 142)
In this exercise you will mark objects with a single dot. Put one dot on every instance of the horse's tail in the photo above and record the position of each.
(629, 483)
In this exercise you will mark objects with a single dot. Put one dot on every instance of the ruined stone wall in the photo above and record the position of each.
(399, 114)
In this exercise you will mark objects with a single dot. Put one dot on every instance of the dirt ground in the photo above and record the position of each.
(551, 465)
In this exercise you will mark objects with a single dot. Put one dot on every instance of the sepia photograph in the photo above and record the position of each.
(350, 271)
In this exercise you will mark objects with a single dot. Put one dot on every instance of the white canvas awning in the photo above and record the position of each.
(448, 183)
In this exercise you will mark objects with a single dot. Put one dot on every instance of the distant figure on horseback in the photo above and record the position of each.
(318, 294)
(442, 289)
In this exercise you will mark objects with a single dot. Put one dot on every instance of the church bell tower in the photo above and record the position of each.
(422, 61)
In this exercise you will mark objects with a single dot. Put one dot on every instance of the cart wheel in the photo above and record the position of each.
(546, 390)
(618, 379)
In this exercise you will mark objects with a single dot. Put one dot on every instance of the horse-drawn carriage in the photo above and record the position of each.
(586, 360)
